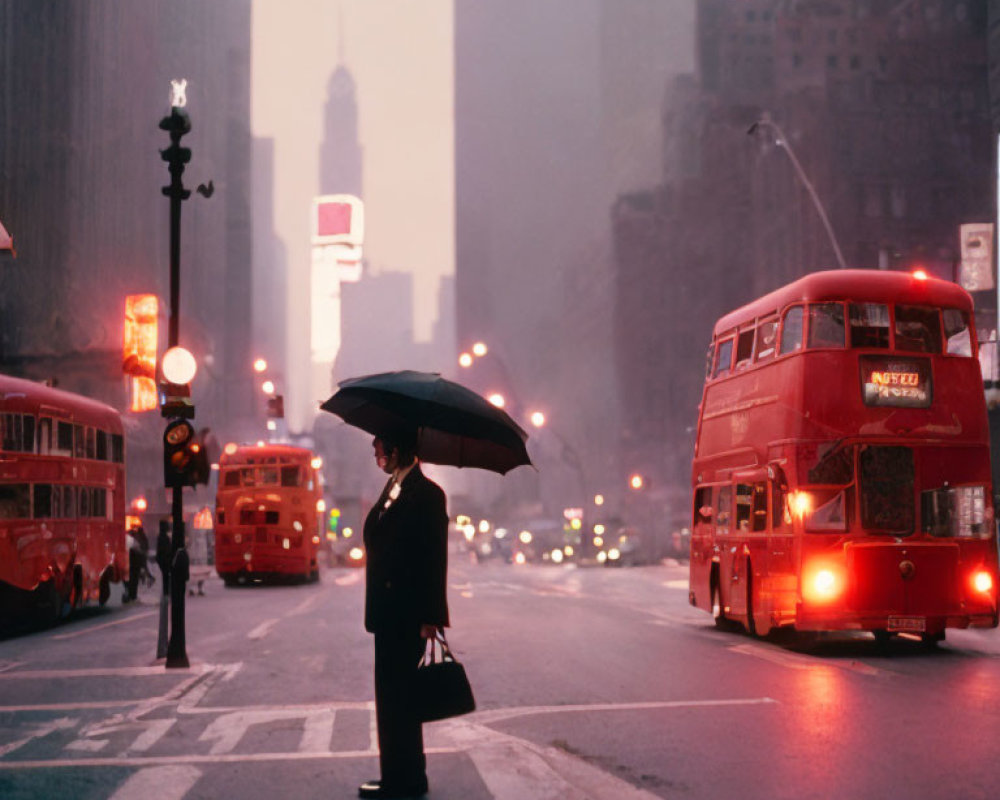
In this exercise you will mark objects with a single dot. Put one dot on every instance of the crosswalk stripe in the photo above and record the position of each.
(163, 783)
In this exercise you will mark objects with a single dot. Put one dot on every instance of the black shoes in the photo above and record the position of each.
(376, 791)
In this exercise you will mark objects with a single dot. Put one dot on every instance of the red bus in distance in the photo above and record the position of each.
(62, 502)
(268, 507)
(841, 473)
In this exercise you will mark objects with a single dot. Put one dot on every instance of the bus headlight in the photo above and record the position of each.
(356, 553)
(983, 582)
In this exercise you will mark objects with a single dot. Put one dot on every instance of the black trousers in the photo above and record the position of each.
(400, 732)
(134, 567)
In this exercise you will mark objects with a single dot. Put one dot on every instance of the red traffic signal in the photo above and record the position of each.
(185, 462)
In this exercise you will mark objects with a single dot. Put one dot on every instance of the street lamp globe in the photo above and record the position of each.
(537, 419)
(179, 366)
(497, 399)
(259, 365)
(465, 360)
(479, 349)
(267, 387)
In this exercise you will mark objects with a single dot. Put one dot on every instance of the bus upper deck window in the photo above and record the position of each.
(826, 325)
(869, 325)
(767, 333)
(269, 476)
(918, 329)
(231, 477)
(723, 358)
(744, 348)
(289, 476)
(956, 332)
(708, 360)
(791, 330)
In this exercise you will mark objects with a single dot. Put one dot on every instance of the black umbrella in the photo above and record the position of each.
(455, 426)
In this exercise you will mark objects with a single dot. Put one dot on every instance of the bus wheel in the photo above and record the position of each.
(72, 598)
(104, 588)
(930, 640)
(718, 613)
(47, 603)
(751, 622)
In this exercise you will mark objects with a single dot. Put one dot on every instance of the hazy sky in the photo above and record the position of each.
(400, 55)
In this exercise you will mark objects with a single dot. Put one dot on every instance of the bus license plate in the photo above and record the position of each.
(916, 624)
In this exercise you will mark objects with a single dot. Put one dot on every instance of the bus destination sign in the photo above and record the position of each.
(892, 381)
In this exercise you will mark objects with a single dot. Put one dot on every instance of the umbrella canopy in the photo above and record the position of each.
(455, 426)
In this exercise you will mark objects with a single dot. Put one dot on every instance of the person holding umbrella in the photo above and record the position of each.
(415, 417)
(406, 539)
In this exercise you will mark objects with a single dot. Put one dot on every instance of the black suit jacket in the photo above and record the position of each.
(407, 557)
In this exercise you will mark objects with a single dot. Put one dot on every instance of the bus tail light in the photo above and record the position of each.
(983, 582)
(356, 553)
(823, 584)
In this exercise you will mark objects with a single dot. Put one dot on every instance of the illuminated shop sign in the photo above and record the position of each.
(888, 381)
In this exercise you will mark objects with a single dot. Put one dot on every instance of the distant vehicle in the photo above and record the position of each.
(62, 502)
(842, 471)
(268, 507)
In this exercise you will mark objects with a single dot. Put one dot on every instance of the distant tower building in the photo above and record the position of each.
(340, 174)
(340, 150)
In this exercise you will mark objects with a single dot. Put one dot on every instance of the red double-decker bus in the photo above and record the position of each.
(842, 472)
(62, 502)
(268, 508)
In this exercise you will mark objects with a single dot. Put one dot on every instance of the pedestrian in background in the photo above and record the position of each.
(406, 537)
(138, 552)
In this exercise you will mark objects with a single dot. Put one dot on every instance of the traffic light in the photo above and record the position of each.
(177, 124)
(334, 520)
(276, 406)
(185, 462)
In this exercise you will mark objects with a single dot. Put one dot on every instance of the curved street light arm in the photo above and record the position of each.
(782, 141)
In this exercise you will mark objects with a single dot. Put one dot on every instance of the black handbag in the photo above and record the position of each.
(441, 687)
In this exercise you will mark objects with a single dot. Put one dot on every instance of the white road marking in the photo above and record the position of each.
(228, 729)
(348, 580)
(263, 629)
(305, 605)
(801, 661)
(95, 628)
(62, 724)
(6, 665)
(224, 758)
(515, 769)
(163, 783)
(500, 714)
(678, 584)
(152, 731)
(87, 745)
(71, 706)
(95, 672)
(317, 732)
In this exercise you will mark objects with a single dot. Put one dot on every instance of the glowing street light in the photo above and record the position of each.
(179, 366)
(267, 387)
(537, 419)
(497, 399)
(259, 365)
(635, 481)
(479, 349)
(465, 360)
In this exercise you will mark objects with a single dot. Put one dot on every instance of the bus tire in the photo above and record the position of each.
(74, 592)
(751, 625)
(104, 587)
(47, 604)
(882, 638)
(931, 640)
(718, 613)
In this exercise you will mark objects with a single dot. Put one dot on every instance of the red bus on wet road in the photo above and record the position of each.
(62, 502)
(268, 508)
(842, 471)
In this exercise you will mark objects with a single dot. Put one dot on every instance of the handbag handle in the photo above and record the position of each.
(438, 640)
